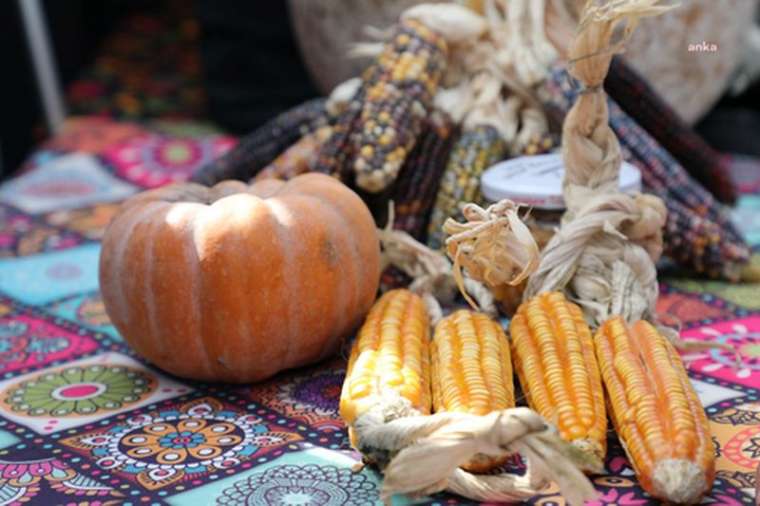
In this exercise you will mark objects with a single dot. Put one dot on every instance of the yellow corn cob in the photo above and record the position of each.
(471, 371)
(656, 411)
(554, 360)
(390, 355)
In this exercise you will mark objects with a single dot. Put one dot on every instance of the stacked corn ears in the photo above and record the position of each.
(651, 402)
(396, 374)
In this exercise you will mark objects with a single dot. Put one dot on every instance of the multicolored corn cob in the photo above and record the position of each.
(474, 151)
(390, 356)
(642, 103)
(656, 411)
(471, 371)
(554, 359)
(415, 188)
(689, 205)
(298, 158)
(396, 97)
(336, 155)
(540, 145)
(259, 148)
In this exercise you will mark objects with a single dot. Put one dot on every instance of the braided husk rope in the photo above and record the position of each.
(603, 257)
(493, 245)
(604, 253)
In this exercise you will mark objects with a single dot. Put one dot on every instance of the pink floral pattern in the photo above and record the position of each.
(155, 160)
(743, 336)
(26, 342)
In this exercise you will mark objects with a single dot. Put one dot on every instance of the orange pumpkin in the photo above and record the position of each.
(236, 282)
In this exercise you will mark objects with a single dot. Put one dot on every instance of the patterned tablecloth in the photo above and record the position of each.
(84, 421)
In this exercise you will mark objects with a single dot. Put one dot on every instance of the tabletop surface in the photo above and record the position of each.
(83, 420)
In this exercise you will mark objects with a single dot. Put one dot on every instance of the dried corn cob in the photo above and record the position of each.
(640, 101)
(471, 371)
(473, 152)
(539, 145)
(656, 411)
(414, 191)
(390, 356)
(259, 148)
(397, 94)
(336, 154)
(554, 359)
(298, 158)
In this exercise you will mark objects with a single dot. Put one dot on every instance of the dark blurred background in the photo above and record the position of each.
(233, 62)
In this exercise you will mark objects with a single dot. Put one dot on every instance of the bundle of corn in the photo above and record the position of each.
(261, 147)
(602, 257)
(700, 234)
(387, 394)
(414, 191)
(379, 129)
(496, 124)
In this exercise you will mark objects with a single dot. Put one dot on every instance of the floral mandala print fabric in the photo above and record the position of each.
(77, 391)
(309, 485)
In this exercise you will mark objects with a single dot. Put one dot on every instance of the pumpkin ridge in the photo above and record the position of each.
(317, 184)
(311, 228)
(198, 230)
(348, 293)
(276, 207)
(136, 254)
(193, 267)
(120, 311)
(180, 333)
(149, 280)
(236, 213)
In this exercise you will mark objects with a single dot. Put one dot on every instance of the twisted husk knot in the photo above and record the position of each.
(646, 230)
(493, 245)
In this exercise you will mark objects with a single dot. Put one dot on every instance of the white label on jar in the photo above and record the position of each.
(537, 181)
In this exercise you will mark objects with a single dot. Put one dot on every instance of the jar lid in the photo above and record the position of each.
(537, 181)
